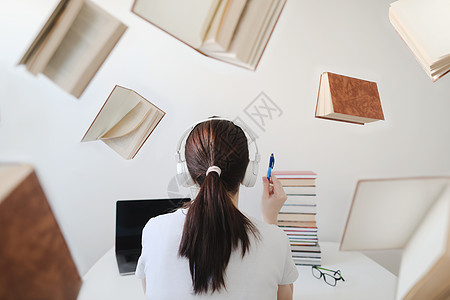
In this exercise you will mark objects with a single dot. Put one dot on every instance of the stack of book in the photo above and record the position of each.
(234, 31)
(298, 215)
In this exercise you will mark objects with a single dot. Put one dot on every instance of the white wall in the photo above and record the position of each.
(43, 125)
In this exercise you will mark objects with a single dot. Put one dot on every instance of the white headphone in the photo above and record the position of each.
(183, 176)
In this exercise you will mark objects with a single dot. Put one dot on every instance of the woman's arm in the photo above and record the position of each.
(273, 198)
(143, 284)
(285, 292)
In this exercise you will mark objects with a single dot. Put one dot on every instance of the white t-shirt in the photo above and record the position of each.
(256, 276)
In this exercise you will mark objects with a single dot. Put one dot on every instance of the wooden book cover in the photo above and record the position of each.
(125, 122)
(348, 99)
(35, 261)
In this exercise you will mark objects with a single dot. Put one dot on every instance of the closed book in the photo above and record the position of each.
(297, 224)
(297, 182)
(294, 174)
(302, 209)
(348, 99)
(307, 200)
(306, 249)
(35, 260)
(287, 229)
(296, 217)
(125, 122)
(301, 254)
(300, 190)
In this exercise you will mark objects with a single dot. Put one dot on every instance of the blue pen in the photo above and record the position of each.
(271, 164)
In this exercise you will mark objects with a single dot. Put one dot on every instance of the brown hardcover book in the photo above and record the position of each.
(35, 261)
(73, 44)
(125, 122)
(347, 99)
(242, 31)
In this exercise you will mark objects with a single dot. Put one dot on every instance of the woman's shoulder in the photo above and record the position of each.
(266, 229)
(166, 220)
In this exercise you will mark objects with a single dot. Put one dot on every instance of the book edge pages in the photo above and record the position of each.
(45, 30)
(318, 95)
(342, 242)
(148, 135)
(55, 36)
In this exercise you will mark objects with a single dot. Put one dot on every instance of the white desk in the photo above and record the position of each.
(364, 279)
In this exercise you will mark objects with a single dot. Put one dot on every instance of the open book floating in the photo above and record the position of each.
(424, 25)
(412, 214)
(125, 122)
(73, 44)
(348, 99)
(234, 31)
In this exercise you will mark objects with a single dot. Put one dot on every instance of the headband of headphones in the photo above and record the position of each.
(252, 168)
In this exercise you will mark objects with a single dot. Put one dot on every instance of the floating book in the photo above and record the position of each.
(343, 98)
(35, 260)
(412, 214)
(73, 44)
(234, 31)
(424, 26)
(125, 122)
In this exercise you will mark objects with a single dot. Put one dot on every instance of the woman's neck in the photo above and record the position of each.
(235, 199)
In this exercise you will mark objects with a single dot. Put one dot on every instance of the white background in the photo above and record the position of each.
(41, 124)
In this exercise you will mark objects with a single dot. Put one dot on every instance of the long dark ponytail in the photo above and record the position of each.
(214, 227)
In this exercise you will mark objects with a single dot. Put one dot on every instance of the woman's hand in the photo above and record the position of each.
(273, 198)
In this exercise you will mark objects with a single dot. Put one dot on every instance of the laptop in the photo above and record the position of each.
(131, 217)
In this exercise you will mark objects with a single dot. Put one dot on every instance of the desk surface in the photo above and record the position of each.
(364, 279)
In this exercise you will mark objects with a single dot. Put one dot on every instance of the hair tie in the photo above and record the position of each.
(213, 169)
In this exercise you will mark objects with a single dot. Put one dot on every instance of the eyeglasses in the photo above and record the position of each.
(330, 279)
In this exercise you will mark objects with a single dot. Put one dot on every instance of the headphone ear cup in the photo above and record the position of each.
(251, 173)
(183, 176)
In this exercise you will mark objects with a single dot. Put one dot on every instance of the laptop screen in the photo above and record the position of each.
(131, 217)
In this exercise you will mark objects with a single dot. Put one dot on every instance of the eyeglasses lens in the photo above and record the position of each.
(329, 279)
(316, 273)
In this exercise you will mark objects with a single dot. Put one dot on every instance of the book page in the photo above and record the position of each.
(186, 20)
(385, 213)
(231, 20)
(209, 43)
(427, 23)
(116, 107)
(85, 40)
(252, 21)
(426, 246)
(266, 31)
(127, 145)
(129, 122)
(53, 34)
